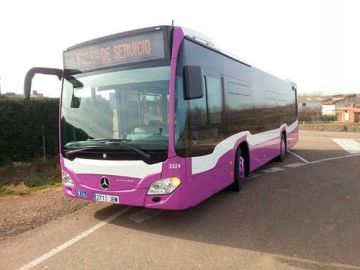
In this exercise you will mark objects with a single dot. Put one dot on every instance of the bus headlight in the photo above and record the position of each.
(66, 179)
(164, 186)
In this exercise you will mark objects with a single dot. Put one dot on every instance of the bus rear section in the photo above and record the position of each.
(160, 118)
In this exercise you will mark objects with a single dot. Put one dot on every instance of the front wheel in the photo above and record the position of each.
(239, 171)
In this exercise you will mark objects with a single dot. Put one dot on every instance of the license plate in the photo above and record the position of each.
(106, 198)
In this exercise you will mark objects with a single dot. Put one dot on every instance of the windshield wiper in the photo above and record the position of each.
(109, 140)
(69, 153)
(123, 142)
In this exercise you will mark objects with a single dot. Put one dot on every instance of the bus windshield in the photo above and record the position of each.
(116, 109)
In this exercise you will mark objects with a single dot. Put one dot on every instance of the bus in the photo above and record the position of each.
(161, 118)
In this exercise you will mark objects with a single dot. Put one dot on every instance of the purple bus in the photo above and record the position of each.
(161, 118)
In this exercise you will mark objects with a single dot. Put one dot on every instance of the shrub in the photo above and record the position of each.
(22, 126)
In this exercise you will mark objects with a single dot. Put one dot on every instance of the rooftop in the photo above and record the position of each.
(312, 98)
(349, 109)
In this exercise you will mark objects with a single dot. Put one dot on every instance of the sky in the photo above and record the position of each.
(315, 43)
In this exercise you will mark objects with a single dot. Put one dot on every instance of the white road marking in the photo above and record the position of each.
(294, 165)
(73, 240)
(316, 263)
(334, 158)
(273, 169)
(349, 145)
(298, 156)
(144, 215)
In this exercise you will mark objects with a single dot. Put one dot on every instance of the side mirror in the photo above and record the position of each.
(75, 102)
(194, 82)
(39, 70)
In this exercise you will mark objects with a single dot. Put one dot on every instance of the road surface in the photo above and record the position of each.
(303, 213)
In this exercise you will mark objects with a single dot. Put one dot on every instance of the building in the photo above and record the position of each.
(349, 101)
(310, 103)
(348, 114)
(344, 108)
(328, 109)
(329, 105)
(35, 93)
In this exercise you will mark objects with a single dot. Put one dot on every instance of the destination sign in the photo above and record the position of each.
(125, 50)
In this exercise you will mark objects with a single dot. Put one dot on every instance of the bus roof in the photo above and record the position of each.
(119, 35)
(188, 32)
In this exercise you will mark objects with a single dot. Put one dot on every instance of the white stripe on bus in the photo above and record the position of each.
(129, 168)
(207, 162)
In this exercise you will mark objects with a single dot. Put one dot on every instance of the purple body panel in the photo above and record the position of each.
(194, 188)
(262, 153)
(177, 38)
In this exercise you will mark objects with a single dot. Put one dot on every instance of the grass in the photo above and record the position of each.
(20, 178)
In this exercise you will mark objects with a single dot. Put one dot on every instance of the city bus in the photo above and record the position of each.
(161, 118)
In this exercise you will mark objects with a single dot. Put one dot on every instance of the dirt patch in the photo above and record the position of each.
(18, 178)
(23, 213)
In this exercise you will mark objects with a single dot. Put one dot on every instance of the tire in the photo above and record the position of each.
(239, 171)
(283, 147)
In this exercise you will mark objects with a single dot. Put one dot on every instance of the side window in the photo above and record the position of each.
(208, 109)
(199, 127)
(240, 113)
(214, 96)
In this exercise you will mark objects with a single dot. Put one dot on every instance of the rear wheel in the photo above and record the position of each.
(283, 147)
(239, 173)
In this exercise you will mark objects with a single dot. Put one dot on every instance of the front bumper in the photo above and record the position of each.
(133, 197)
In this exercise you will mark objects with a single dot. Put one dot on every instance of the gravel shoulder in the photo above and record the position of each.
(23, 213)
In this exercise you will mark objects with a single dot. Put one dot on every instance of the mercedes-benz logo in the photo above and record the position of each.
(104, 182)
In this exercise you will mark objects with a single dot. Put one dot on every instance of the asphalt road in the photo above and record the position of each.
(303, 213)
